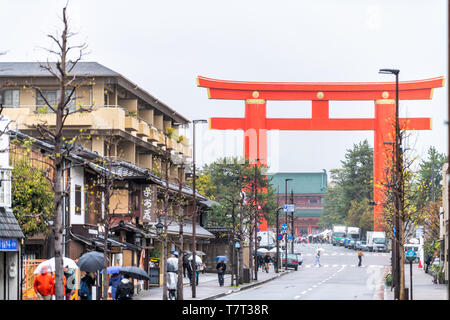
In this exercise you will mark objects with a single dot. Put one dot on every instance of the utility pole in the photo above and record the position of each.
(286, 216)
(292, 222)
(398, 183)
(256, 217)
(194, 214)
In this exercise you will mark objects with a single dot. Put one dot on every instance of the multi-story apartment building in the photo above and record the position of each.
(124, 119)
(113, 120)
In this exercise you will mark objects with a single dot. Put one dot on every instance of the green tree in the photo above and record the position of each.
(32, 198)
(352, 182)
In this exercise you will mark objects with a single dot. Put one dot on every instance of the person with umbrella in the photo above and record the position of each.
(267, 261)
(69, 282)
(86, 284)
(44, 284)
(172, 270)
(114, 282)
(198, 261)
(125, 289)
(221, 268)
(186, 265)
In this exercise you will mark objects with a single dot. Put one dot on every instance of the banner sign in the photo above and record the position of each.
(149, 205)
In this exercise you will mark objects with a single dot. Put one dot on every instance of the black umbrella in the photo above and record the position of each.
(92, 261)
(135, 272)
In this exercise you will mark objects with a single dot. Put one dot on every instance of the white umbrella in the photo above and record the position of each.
(262, 250)
(274, 250)
(50, 263)
(198, 260)
(321, 249)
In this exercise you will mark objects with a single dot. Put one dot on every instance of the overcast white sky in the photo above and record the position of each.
(163, 46)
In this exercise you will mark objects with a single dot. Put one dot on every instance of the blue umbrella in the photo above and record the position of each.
(112, 270)
(220, 258)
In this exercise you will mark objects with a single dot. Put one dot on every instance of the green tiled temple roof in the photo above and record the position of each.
(302, 183)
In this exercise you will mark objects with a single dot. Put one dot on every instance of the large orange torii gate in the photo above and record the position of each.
(255, 123)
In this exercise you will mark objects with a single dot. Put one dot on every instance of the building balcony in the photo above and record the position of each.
(171, 144)
(161, 139)
(144, 129)
(131, 123)
(154, 135)
(105, 117)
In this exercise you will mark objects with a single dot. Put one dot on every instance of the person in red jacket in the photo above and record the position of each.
(44, 284)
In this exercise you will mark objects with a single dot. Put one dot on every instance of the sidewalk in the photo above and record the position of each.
(208, 286)
(423, 288)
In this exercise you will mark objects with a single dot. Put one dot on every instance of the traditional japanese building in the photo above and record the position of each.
(306, 191)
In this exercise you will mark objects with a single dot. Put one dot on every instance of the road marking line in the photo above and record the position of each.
(303, 292)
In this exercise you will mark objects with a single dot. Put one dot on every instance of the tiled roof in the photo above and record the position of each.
(9, 227)
(302, 182)
(34, 69)
(88, 69)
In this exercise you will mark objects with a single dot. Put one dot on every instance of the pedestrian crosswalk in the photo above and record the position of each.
(369, 254)
(341, 265)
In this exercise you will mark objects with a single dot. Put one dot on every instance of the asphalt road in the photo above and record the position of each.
(338, 277)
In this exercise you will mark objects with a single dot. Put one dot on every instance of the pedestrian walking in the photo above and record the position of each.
(318, 258)
(86, 284)
(69, 282)
(360, 255)
(221, 268)
(125, 289)
(428, 261)
(185, 265)
(267, 261)
(44, 284)
(114, 282)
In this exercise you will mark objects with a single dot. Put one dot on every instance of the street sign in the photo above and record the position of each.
(280, 237)
(8, 245)
(411, 255)
(284, 227)
(290, 237)
(394, 231)
(288, 208)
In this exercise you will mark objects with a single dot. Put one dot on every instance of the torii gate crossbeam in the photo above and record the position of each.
(255, 123)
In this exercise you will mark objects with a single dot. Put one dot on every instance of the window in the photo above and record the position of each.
(77, 199)
(9, 98)
(5, 188)
(52, 97)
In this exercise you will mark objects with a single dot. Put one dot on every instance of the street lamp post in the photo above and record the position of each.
(286, 234)
(292, 222)
(398, 236)
(194, 214)
(278, 241)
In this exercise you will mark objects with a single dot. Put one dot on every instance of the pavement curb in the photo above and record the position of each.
(247, 286)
